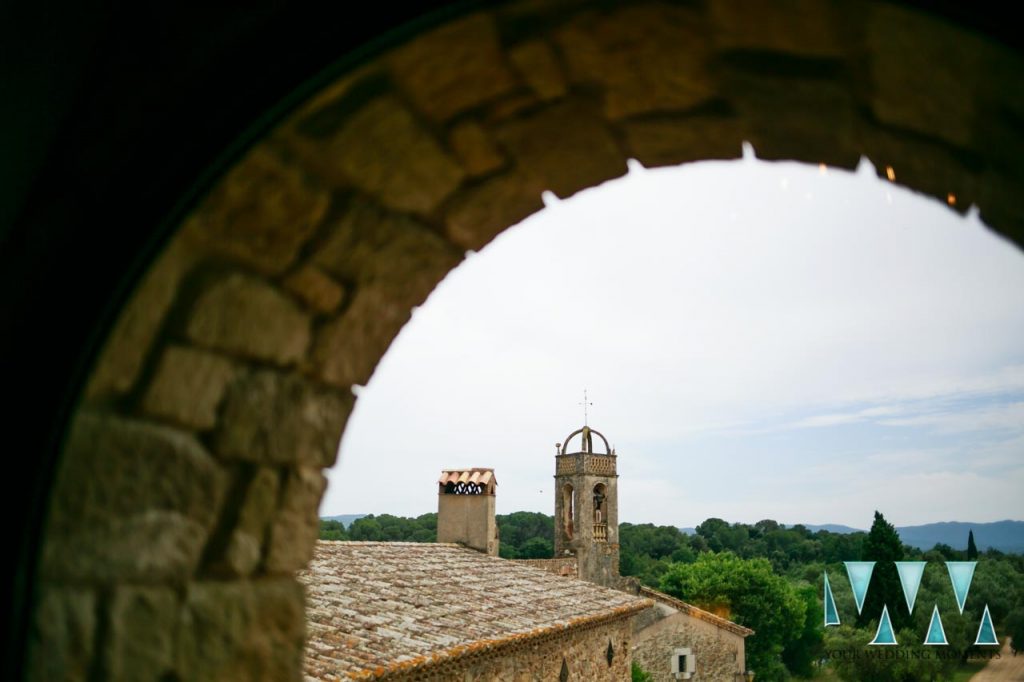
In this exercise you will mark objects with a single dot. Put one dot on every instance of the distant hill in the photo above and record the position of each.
(831, 528)
(346, 519)
(1006, 536)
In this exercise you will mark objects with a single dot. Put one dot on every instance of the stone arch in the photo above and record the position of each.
(188, 488)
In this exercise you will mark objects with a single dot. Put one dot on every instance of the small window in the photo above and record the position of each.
(564, 675)
(610, 653)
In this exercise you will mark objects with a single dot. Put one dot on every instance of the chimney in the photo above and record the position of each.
(465, 509)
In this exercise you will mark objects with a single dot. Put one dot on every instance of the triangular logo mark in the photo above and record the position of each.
(884, 636)
(986, 633)
(936, 633)
(859, 573)
(960, 574)
(910, 578)
(831, 614)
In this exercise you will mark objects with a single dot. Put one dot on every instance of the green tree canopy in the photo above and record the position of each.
(750, 594)
(883, 546)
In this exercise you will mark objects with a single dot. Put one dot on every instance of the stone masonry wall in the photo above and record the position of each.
(584, 651)
(191, 475)
(718, 654)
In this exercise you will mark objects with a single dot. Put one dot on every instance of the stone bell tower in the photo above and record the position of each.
(587, 507)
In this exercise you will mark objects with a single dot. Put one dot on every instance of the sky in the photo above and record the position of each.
(758, 341)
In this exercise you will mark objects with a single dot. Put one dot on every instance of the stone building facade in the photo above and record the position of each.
(587, 531)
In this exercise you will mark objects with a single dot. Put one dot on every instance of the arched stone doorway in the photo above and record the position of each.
(189, 483)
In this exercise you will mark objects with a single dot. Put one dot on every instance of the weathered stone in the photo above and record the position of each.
(382, 149)
(260, 502)
(647, 57)
(245, 630)
(152, 546)
(375, 247)
(672, 141)
(1001, 209)
(511, 106)
(241, 554)
(260, 213)
(240, 557)
(318, 291)
(130, 497)
(800, 119)
(143, 626)
(474, 149)
(454, 67)
(188, 387)
(348, 349)
(798, 27)
(248, 317)
(537, 65)
(478, 214)
(924, 167)
(566, 147)
(282, 418)
(296, 527)
(61, 640)
(925, 73)
(128, 345)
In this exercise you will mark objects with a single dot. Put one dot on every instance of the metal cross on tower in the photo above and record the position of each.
(585, 404)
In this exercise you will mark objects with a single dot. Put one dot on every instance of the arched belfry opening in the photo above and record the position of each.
(587, 522)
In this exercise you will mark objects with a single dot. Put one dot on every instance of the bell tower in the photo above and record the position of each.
(587, 507)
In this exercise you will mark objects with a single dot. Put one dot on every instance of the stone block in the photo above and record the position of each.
(188, 386)
(382, 149)
(923, 166)
(271, 417)
(475, 149)
(374, 247)
(454, 67)
(129, 342)
(131, 500)
(320, 293)
(537, 65)
(62, 635)
(814, 120)
(799, 27)
(260, 213)
(566, 147)
(242, 630)
(297, 525)
(924, 73)
(647, 58)
(248, 317)
(478, 214)
(348, 348)
(672, 141)
(143, 627)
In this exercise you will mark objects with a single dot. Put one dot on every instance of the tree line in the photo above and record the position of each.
(769, 577)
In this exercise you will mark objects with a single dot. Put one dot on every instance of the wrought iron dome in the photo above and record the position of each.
(586, 435)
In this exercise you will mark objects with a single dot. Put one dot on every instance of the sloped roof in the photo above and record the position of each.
(380, 607)
(476, 475)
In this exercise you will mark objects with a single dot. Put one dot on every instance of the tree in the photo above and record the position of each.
(883, 546)
(1015, 628)
(748, 593)
(972, 549)
(800, 654)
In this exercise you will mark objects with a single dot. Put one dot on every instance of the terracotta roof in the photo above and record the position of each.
(692, 610)
(379, 607)
(475, 475)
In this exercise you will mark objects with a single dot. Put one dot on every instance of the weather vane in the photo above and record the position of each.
(585, 404)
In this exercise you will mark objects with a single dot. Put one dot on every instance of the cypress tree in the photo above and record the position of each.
(972, 549)
(883, 546)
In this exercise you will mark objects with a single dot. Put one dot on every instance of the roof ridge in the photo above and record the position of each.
(696, 611)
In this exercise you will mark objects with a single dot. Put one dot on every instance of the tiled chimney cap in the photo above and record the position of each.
(461, 481)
